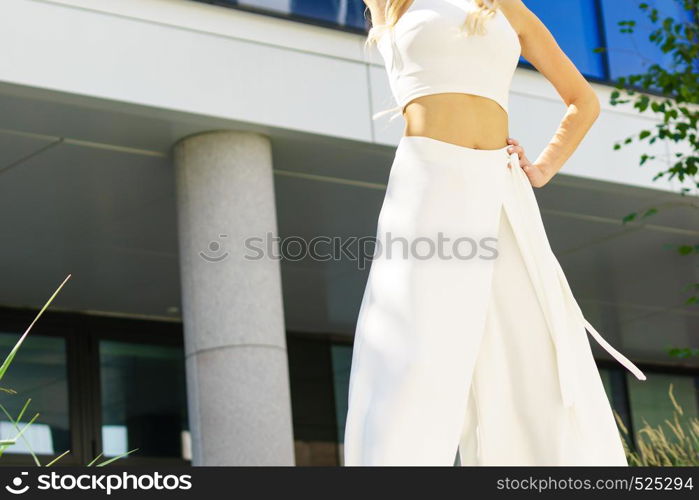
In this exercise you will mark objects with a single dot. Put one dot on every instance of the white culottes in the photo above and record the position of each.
(468, 336)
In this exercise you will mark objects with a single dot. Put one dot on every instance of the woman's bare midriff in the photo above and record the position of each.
(463, 119)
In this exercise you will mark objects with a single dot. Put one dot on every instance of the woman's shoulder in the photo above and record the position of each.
(516, 13)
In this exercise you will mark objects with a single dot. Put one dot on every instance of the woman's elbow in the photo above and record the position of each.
(596, 107)
(588, 104)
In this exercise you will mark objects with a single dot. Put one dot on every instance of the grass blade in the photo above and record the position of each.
(116, 458)
(6, 364)
(94, 460)
(57, 458)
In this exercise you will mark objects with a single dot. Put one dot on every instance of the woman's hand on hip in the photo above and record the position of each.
(537, 176)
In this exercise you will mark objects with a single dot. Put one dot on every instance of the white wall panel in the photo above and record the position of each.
(107, 56)
(211, 61)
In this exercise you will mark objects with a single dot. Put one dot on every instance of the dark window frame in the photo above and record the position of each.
(82, 333)
(57, 326)
(618, 374)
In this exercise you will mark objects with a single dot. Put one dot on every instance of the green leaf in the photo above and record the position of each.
(682, 352)
(642, 103)
(629, 218)
(685, 249)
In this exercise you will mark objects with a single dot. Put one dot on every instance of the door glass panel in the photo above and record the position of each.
(143, 399)
(38, 372)
(650, 400)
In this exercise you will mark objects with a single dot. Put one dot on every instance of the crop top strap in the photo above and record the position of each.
(396, 60)
(397, 111)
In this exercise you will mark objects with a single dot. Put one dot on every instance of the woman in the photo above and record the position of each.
(468, 336)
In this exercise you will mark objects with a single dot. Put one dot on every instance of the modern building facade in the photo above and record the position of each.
(210, 175)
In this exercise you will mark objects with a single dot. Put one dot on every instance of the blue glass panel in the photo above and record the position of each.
(355, 14)
(348, 13)
(327, 11)
(574, 25)
(340, 12)
(631, 53)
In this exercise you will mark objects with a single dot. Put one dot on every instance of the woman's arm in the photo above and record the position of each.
(541, 49)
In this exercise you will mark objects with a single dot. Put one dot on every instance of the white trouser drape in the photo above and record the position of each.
(468, 334)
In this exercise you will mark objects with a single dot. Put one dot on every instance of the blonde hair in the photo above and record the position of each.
(473, 24)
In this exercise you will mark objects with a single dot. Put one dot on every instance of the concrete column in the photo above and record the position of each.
(237, 369)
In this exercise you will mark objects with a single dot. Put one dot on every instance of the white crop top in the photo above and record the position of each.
(427, 52)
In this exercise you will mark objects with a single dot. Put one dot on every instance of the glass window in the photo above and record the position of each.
(312, 401)
(574, 24)
(606, 376)
(143, 399)
(650, 400)
(341, 12)
(349, 13)
(632, 53)
(342, 361)
(38, 372)
(614, 381)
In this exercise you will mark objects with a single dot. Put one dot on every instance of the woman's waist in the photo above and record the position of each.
(426, 152)
(461, 138)
(465, 120)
